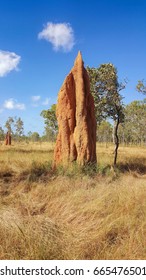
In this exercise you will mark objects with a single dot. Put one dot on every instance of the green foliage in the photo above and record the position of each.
(141, 87)
(104, 132)
(105, 89)
(50, 135)
(9, 124)
(38, 170)
(75, 170)
(35, 137)
(29, 134)
(135, 122)
(19, 127)
(15, 126)
(2, 134)
(50, 120)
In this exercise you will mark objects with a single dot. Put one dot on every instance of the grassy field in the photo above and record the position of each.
(77, 213)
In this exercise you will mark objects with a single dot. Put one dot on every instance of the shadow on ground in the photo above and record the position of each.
(138, 165)
(29, 151)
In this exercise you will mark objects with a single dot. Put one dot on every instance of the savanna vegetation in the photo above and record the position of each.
(91, 212)
(77, 213)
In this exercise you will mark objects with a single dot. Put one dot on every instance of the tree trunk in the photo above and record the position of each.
(116, 140)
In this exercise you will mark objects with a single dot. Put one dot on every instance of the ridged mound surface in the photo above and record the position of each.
(76, 138)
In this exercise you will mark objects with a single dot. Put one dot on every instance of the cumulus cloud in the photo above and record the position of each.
(11, 104)
(8, 61)
(35, 98)
(46, 101)
(60, 35)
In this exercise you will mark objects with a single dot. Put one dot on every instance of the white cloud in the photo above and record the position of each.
(60, 35)
(35, 98)
(46, 101)
(11, 104)
(8, 62)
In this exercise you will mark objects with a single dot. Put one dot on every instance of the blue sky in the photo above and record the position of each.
(39, 40)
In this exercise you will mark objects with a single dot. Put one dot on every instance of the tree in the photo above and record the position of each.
(50, 120)
(19, 127)
(135, 122)
(9, 124)
(141, 87)
(29, 134)
(35, 137)
(105, 89)
(104, 132)
(15, 125)
(49, 135)
(2, 134)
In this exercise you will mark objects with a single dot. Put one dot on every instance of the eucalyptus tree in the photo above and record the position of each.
(105, 89)
(19, 127)
(104, 134)
(141, 87)
(9, 123)
(50, 120)
(2, 134)
(135, 122)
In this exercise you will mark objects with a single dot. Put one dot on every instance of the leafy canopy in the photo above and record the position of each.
(105, 89)
(50, 118)
(141, 87)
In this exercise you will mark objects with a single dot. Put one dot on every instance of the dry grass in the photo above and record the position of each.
(74, 213)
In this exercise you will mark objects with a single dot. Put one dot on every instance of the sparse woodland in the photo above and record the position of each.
(90, 212)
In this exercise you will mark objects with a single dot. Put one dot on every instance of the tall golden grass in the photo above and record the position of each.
(74, 213)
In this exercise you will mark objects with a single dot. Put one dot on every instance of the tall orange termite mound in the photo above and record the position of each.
(8, 138)
(76, 140)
